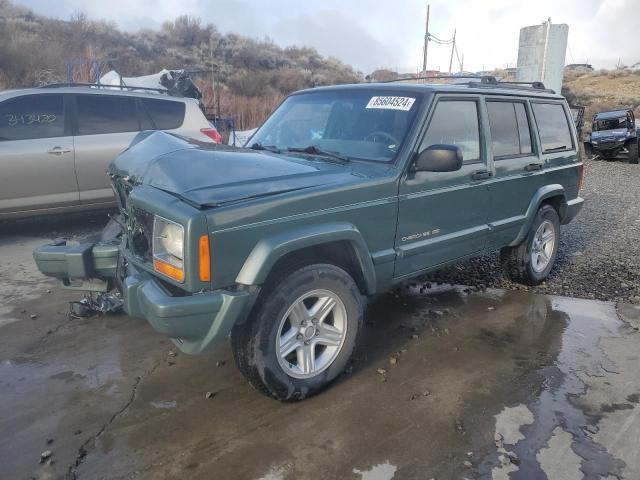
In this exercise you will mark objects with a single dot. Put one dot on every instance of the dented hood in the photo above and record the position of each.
(209, 175)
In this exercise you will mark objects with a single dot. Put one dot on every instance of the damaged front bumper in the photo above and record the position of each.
(195, 322)
(82, 266)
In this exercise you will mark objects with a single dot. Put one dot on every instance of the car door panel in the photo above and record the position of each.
(442, 215)
(106, 125)
(94, 153)
(36, 155)
(518, 168)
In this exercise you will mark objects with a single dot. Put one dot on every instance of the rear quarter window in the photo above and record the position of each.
(553, 127)
(165, 114)
(31, 117)
(98, 114)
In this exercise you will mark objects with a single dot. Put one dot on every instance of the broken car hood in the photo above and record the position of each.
(209, 175)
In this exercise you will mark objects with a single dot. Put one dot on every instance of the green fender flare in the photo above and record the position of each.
(543, 193)
(271, 249)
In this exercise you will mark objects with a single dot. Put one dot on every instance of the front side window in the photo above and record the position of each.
(98, 114)
(455, 122)
(553, 127)
(510, 134)
(357, 124)
(31, 117)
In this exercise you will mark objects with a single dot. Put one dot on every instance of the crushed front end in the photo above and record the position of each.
(157, 263)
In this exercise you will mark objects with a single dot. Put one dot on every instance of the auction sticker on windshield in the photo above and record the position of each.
(391, 103)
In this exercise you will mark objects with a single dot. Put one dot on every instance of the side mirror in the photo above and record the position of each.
(439, 158)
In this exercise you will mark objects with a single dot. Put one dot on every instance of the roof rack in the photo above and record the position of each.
(484, 81)
(110, 87)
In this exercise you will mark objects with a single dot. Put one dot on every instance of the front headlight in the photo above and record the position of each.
(168, 248)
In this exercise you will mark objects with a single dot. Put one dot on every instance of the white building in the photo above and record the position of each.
(541, 54)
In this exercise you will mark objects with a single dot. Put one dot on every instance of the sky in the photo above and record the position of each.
(389, 34)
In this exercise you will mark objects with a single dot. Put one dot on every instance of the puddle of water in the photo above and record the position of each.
(383, 471)
(551, 419)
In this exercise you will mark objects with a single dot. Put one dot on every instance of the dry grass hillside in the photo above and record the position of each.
(250, 77)
(603, 90)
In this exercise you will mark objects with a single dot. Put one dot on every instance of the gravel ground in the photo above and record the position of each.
(599, 255)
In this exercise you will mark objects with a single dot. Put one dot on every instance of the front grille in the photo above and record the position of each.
(139, 222)
(141, 233)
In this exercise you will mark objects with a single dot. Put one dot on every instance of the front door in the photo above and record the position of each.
(443, 215)
(106, 125)
(36, 155)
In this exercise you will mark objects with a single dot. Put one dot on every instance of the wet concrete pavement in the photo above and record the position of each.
(449, 384)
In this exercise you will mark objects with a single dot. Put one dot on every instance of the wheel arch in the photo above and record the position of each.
(338, 243)
(553, 195)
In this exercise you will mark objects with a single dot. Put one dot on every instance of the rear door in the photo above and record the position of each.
(443, 215)
(105, 126)
(518, 167)
(36, 154)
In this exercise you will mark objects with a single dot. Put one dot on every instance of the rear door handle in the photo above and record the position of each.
(58, 151)
(481, 175)
(533, 166)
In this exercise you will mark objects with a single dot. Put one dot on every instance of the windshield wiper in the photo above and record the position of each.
(269, 148)
(315, 150)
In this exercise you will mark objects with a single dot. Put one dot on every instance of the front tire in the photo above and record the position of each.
(532, 260)
(302, 332)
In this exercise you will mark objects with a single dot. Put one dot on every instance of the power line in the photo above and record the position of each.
(429, 37)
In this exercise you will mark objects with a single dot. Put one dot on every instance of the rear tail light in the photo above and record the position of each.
(581, 172)
(212, 133)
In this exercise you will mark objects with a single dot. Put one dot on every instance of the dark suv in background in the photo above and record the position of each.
(612, 133)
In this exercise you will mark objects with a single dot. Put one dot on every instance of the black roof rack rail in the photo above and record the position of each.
(104, 86)
(485, 81)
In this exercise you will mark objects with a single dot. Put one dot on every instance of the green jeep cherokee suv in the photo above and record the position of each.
(343, 192)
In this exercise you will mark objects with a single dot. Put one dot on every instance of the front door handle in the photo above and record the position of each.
(481, 175)
(58, 151)
(533, 166)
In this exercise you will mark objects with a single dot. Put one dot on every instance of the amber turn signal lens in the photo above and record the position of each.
(168, 270)
(204, 258)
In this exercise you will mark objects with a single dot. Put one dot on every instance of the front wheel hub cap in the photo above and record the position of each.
(311, 333)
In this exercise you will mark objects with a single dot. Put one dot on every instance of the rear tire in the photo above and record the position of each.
(633, 152)
(302, 333)
(532, 260)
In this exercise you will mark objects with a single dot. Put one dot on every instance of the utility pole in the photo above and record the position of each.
(453, 47)
(426, 41)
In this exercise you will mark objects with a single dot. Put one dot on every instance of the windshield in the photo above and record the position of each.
(355, 124)
(610, 124)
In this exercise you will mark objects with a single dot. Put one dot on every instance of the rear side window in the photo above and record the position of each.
(553, 127)
(31, 117)
(510, 133)
(165, 114)
(455, 122)
(99, 114)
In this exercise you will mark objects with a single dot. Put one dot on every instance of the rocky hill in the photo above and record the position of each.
(250, 76)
